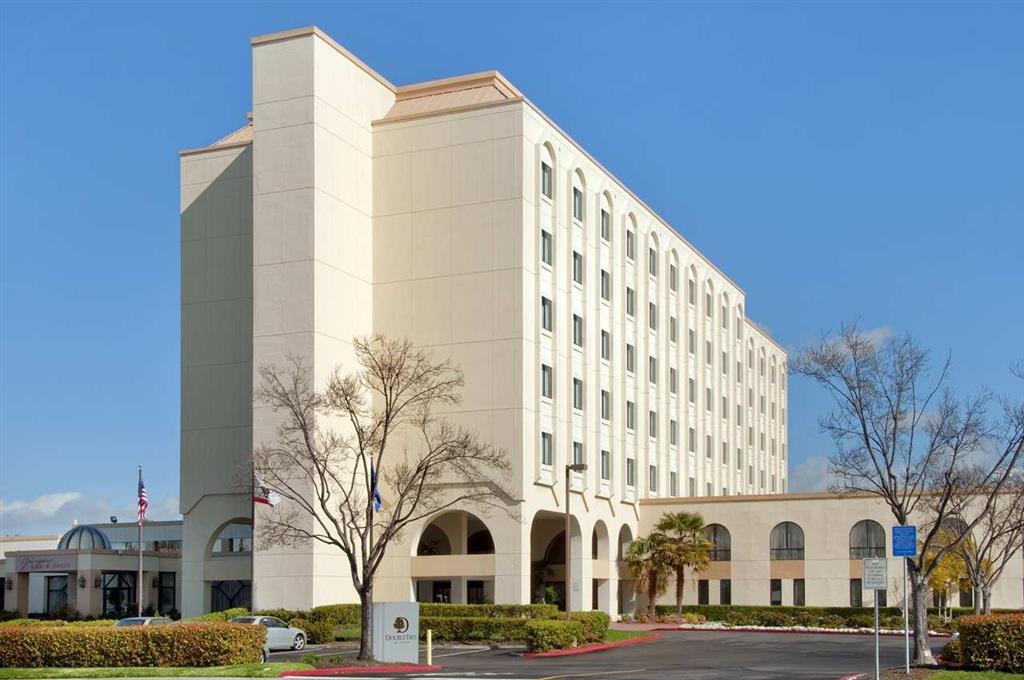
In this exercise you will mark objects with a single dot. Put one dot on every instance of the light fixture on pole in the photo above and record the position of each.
(569, 469)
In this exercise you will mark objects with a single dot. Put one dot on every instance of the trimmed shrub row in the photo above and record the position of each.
(594, 625)
(213, 644)
(214, 617)
(994, 642)
(522, 611)
(43, 622)
(545, 635)
(818, 617)
(474, 628)
(317, 632)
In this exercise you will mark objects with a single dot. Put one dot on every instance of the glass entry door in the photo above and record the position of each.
(118, 593)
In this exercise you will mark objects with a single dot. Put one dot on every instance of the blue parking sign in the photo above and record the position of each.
(904, 541)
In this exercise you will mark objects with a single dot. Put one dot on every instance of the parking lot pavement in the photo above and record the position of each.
(683, 654)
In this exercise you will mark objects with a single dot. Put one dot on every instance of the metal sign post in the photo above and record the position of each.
(875, 573)
(904, 544)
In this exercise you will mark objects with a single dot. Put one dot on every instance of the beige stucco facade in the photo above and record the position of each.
(456, 214)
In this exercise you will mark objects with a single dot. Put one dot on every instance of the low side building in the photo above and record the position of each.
(802, 549)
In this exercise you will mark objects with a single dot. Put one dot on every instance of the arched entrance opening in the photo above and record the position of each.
(547, 559)
(627, 585)
(600, 568)
(453, 560)
(229, 556)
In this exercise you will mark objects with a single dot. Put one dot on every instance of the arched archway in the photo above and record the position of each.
(230, 545)
(627, 586)
(450, 560)
(601, 567)
(547, 559)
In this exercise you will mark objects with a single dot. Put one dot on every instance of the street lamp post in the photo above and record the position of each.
(569, 469)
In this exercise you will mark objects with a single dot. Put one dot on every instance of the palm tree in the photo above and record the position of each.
(649, 559)
(690, 546)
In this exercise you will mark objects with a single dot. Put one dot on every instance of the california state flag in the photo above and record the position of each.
(261, 493)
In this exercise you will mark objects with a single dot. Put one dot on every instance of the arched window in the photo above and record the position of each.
(867, 539)
(719, 535)
(787, 542)
(547, 172)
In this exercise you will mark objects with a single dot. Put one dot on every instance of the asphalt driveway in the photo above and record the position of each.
(682, 654)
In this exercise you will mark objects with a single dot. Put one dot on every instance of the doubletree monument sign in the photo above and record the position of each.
(396, 631)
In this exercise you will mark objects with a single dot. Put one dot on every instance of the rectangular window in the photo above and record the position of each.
(673, 483)
(708, 406)
(773, 482)
(691, 291)
(577, 453)
(856, 593)
(707, 305)
(577, 393)
(725, 591)
(692, 391)
(673, 277)
(739, 373)
(606, 404)
(776, 592)
(725, 318)
(708, 447)
(652, 478)
(630, 358)
(577, 267)
(546, 254)
(652, 315)
(725, 453)
(630, 302)
(545, 314)
(672, 380)
(577, 330)
(606, 225)
(606, 346)
(652, 424)
(750, 475)
(672, 328)
(692, 487)
(725, 363)
(880, 595)
(708, 492)
(725, 407)
(630, 415)
(630, 472)
(545, 381)
(545, 180)
(798, 592)
(652, 262)
(630, 245)
(673, 432)
(577, 204)
(702, 591)
(166, 591)
(708, 352)
(691, 440)
(606, 285)
(739, 458)
(546, 448)
(652, 369)
(606, 465)
(762, 480)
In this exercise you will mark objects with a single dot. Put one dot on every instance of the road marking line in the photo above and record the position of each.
(589, 675)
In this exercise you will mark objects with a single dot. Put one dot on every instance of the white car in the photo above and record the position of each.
(279, 634)
(143, 621)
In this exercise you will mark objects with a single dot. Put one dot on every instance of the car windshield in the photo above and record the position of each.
(130, 622)
(243, 619)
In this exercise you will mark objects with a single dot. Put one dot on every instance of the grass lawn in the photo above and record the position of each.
(242, 670)
(619, 635)
(974, 675)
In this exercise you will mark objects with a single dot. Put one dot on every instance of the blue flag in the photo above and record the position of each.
(376, 492)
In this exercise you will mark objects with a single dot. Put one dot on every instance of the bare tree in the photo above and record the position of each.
(373, 432)
(903, 436)
(995, 541)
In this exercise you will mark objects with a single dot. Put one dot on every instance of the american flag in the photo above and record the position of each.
(143, 498)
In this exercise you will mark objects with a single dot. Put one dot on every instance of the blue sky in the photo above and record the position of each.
(839, 161)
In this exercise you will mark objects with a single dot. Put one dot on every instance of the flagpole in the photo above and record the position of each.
(139, 584)
(252, 546)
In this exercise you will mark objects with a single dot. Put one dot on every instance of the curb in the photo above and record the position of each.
(787, 631)
(355, 670)
(592, 648)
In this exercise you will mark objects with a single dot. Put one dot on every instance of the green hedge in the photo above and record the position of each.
(546, 635)
(523, 611)
(595, 625)
(819, 617)
(474, 629)
(994, 642)
(181, 645)
(339, 614)
(44, 622)
(317, 632)
(214, 617)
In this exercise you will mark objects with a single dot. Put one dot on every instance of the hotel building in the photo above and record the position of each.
(456, 214)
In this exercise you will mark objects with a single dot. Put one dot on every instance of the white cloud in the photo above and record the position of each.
(878, 335)
(53, 513)
(810, 475)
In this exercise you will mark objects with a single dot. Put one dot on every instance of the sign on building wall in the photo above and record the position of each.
(904, 541)
(876, 573)
(396, 631)
(45, 563)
